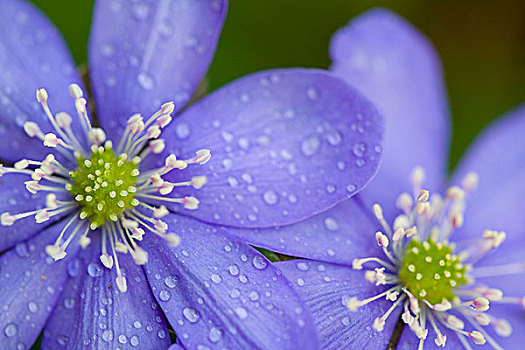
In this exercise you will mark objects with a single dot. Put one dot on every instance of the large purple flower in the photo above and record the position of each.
(281, 150)
(431, 268)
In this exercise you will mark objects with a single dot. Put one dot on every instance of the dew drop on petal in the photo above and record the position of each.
(190, 314)
(214, 335)
(259, 262)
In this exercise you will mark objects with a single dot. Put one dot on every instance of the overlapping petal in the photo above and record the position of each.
(98, 316)
(32, 56)
(339, 235)
(391, 63)
(146, 53)
(326, 288)
(285, 144)
(219, 293)
(30, 284)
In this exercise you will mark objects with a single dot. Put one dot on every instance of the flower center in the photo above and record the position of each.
(109, 195)
(104, 185)
(430, 271)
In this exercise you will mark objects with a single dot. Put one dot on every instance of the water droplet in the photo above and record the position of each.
(378, 149)
(254, 296)
(190, 314)
(302, 266)
(107, 335)
(137, 324)
(331, 224)
(300, 282)
(270, 197)
(241, 312)
(182, 130)
(359, 149)
(164, 295)
(360, 162)
(215, 334)
(227, 164)
(234, 293)
(334, 137)
(247, 177)
(32, 306)
(73, 267)
(94, 269)
(10, 330)
(234, 270)
(69, 303)
(312, 93)
(145, 81)
(122, 339)
(170, 281)
(259, 262)
(330, 252)
(134, 340)
(161, 334)
(21, 250)
(141, 11)
(345, 321)
(107, 50)
(216, 278)
(351, 188)
(310, 145)
(243, 143)
(21, 346)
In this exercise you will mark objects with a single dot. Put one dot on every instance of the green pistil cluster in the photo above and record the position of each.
(104, 185)
(430, 271)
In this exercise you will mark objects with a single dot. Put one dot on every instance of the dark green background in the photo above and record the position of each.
(482, 45)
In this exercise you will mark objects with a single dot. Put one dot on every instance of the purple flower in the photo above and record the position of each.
(430, 264)
(280, 144)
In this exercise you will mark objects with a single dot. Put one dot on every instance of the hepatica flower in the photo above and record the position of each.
(438, 260)
(110, 228)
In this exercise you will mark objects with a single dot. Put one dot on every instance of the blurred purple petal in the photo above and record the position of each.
(92, 313)
(32, 56)
(146, 53)
(395, 66)
(330, 236)
(218, 293)
(285, 144)
(30, 284)
(326, 289)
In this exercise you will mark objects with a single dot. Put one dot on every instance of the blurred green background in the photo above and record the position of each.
(481, 44)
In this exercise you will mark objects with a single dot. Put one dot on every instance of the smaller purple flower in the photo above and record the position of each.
(435, 273)
(104, 239)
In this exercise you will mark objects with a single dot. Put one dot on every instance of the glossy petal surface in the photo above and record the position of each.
(391, 63)
(98, 316)
(219, 293)
(285, 144)
(146, 53)
(30, 284)
(338, 235)
(326, 288)
(14, 199)
(32, 56)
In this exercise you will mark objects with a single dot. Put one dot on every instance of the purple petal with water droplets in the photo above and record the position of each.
(32, 56)
(15, 199)
(219, 293)
(285, 144)
(30, 284)
(338, 235)
(395, 66)
(98, 315)
(326, 289)
(144, 54)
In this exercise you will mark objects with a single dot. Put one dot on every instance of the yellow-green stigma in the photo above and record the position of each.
(104, 185)
(430, 271)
